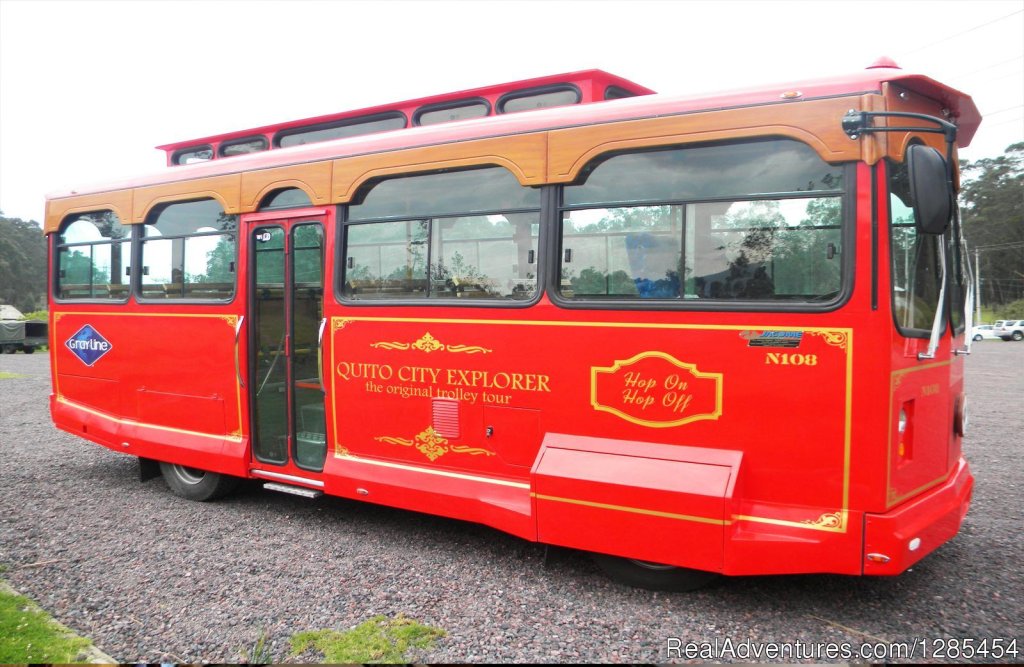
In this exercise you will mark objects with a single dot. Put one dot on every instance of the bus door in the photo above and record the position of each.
(286, 307)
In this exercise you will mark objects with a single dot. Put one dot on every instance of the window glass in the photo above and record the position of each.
(486, 250)
(269, 251)
(958, 272)
(193, 155)
(482, 257)
(916, 273)
(540, 100)
(387, 259)
(731, 250)
(93, 252)
(751, 247)
(189, 252)
(452, 113)
(287, 198)
(622, 251)
(707, 172)
(477, 190)
(308, 253)
(243, 146)
(341, 130)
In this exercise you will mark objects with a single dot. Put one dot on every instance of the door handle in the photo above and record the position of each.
(320, 353)
(238, 368)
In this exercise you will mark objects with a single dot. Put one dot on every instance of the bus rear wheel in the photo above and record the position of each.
(653, 576)
(196, 484)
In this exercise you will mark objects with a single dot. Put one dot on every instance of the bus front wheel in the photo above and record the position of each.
(195, 484)
(653, 576)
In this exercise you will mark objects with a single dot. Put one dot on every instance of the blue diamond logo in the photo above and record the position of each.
(88, 345)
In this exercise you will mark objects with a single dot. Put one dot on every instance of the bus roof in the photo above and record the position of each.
(960, 107)
(587, 86)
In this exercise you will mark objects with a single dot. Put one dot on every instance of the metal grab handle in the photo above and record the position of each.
(238, 369)
(320, 353)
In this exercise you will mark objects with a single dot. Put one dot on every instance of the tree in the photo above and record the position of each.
(993, 219)
(22, 264)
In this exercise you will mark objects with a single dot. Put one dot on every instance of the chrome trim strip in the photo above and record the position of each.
(287, 478)
(320, 352)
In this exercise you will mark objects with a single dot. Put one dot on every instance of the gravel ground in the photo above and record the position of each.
(151, 578)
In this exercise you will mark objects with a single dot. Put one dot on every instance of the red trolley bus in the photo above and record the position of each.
(691, 335)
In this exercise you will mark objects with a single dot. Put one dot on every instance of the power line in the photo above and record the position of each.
(977, 27)
(1004, 122)
(998, 77)
(993, 113)
(999, 246)
(988, 67)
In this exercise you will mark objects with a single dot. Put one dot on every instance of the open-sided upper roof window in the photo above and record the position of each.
(341, 129)
(539, 98)
(243, 146)
(193, 154)
(447, 112)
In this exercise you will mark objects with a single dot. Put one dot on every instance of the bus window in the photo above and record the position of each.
(916, 274)
(93, 257)
(448, 112)
(467, 234)
(543, 98)
(193, 155)
(746, 222)
(243, 146)
(189, 252)
(339, 130)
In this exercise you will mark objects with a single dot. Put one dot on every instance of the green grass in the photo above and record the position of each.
(260, 653)
(4, 375)
(378, 640)
(29, 635)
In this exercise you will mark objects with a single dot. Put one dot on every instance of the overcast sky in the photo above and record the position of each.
(87, 89)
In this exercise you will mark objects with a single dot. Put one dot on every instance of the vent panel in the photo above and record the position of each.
(446, 417)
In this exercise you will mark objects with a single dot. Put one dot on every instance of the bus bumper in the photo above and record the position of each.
(896, 540)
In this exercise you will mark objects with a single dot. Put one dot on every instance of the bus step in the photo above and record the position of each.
(294, 490)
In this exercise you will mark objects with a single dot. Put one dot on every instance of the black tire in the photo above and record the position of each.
(653, 576)
(1017, 335)
(195, 484)
(977, 337)
(28, 349)
(10, 349)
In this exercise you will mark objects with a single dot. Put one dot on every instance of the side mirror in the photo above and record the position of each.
(930, 191)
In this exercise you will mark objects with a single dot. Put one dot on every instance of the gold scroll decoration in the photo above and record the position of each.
(428, 344)
(433, 445)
